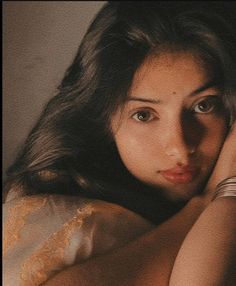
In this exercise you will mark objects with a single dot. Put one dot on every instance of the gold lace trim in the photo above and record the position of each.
(49, 258)
(16, 219)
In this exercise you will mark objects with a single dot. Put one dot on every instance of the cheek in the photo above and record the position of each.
(213, 139)
(136, 150)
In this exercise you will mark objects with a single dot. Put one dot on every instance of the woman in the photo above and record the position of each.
(123, 158)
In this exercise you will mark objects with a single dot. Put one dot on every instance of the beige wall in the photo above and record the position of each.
(40, 39)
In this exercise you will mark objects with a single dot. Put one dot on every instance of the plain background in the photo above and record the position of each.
(40, 40)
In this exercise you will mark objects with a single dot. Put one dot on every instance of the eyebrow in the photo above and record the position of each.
(150, 100)
(207, 85)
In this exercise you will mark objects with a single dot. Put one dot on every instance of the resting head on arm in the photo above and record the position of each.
(208, 253)
(142, 112)
(78, 144)
(225, 167)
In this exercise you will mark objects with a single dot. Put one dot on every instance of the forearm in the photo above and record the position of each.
(208, 254)
(145, 261)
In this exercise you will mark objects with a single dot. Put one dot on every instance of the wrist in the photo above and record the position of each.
(226, 188)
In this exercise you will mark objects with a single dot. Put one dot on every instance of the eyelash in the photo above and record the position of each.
(214, 101)
(149, 112)
(215, 105)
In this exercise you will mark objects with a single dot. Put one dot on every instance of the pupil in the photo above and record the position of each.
(204, 106)
(143, 116)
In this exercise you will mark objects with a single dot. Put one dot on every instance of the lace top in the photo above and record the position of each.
(42, 234)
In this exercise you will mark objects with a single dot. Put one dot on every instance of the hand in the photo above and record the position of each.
(225, 166)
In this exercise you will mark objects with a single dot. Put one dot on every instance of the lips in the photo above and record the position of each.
(180, 175)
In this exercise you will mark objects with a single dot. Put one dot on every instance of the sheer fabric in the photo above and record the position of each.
(43, 234)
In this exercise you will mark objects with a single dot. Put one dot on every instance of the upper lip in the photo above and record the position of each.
(181, 169)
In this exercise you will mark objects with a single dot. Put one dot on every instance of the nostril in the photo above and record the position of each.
(180, 152)
(182, 138)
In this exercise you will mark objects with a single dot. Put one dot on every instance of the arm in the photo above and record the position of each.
(135, 263)
(208, 254)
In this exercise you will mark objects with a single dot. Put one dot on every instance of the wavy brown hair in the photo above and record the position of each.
(70, 150)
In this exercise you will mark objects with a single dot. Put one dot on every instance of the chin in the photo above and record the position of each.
(185, 194)
(182, 192)
(177, 197)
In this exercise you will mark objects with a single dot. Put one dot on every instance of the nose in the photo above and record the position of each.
(178, 143)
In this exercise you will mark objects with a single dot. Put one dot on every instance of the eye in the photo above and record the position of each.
(208, 105)
(143, 116)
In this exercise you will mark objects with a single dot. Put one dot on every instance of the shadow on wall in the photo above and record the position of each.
(40, 39)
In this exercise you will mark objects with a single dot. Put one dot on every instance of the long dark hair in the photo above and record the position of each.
(71, 149)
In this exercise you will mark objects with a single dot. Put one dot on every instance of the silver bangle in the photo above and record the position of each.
(226, 188)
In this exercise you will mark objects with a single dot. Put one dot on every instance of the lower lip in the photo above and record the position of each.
(179, 178)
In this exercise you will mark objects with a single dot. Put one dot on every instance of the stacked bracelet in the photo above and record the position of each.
(226, 188)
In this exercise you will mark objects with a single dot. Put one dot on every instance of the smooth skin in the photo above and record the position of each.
(202, 235)
(207, 256)
(173, 117)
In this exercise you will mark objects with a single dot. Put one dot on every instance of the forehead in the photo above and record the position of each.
(170, 71)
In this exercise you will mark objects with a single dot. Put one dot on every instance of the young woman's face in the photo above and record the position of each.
(172, 126)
